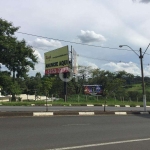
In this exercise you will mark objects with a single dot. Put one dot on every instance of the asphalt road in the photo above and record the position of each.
(75, 132)
(69, 108)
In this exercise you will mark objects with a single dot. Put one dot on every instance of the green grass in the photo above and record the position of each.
(25, 103)
(138, 87)
(82, 100)
(76, 100)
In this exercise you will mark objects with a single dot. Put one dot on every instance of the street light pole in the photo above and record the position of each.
(143, 84)
(142, 72)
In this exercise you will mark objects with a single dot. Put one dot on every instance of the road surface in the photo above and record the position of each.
(69, 108)
(76, 132)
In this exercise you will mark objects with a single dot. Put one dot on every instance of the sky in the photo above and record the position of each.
(94, 28)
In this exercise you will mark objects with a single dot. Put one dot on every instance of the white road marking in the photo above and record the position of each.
(101, 144)
(90, 105)
(42, 113)
(75, 124)
(120, 113)
(86, 113)
(32, 104)
(137, 105)
(47, 104)
(104, 105)
(144, 113)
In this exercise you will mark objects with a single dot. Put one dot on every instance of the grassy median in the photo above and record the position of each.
(78, 100)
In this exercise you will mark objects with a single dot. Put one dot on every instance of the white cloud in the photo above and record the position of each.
(147, 71)
(90, 36)
(83, 62)
(120, 22)
(136, 38)
(39, 67)
(92, 65)
(46, 43)
(128, 67)
(40, 58)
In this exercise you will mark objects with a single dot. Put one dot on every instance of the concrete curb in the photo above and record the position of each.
(11, 114)
(70, 113)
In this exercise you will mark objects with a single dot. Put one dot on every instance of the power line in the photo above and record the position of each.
(73, 42)
(116, 61)
(94, 57)
(98, 58)
(108, 60)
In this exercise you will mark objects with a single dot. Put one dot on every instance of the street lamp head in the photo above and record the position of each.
(120, 46)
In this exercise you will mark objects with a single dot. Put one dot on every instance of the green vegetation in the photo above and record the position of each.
(75, 102)
(118, 87)
(138, 87)
(16, 55)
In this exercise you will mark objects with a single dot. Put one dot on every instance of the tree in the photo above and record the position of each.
(57, 86)
(77, 82)
(21, 59)
(7, 31)
(111, 82)
(16, 55)
(38, 83)
(47, 85)
(5, 81)
(126, 76)
(14, 88)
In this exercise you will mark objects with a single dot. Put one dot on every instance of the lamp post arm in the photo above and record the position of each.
(146, 49)
(130, 48)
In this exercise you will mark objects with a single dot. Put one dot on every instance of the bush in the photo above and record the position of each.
(147, 95)
(134, 94)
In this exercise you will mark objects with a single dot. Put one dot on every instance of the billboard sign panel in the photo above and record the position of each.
(74, 62)
(57, 61)
(93, 89)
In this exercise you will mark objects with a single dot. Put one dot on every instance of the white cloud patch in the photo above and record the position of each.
(92, 65)
(40, 58)
(136, 38)
(90, 36)
(39, 67)
(46, 43)
(128, 67)
(85, 62)
(147, 71)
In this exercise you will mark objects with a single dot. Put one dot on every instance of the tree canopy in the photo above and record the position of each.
(16, 55)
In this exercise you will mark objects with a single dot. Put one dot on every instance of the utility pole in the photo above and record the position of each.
(143, 84)
(142, 72)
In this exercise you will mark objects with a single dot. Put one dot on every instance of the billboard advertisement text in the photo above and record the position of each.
(57, 61)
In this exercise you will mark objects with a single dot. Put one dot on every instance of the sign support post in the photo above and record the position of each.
(65, 87)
